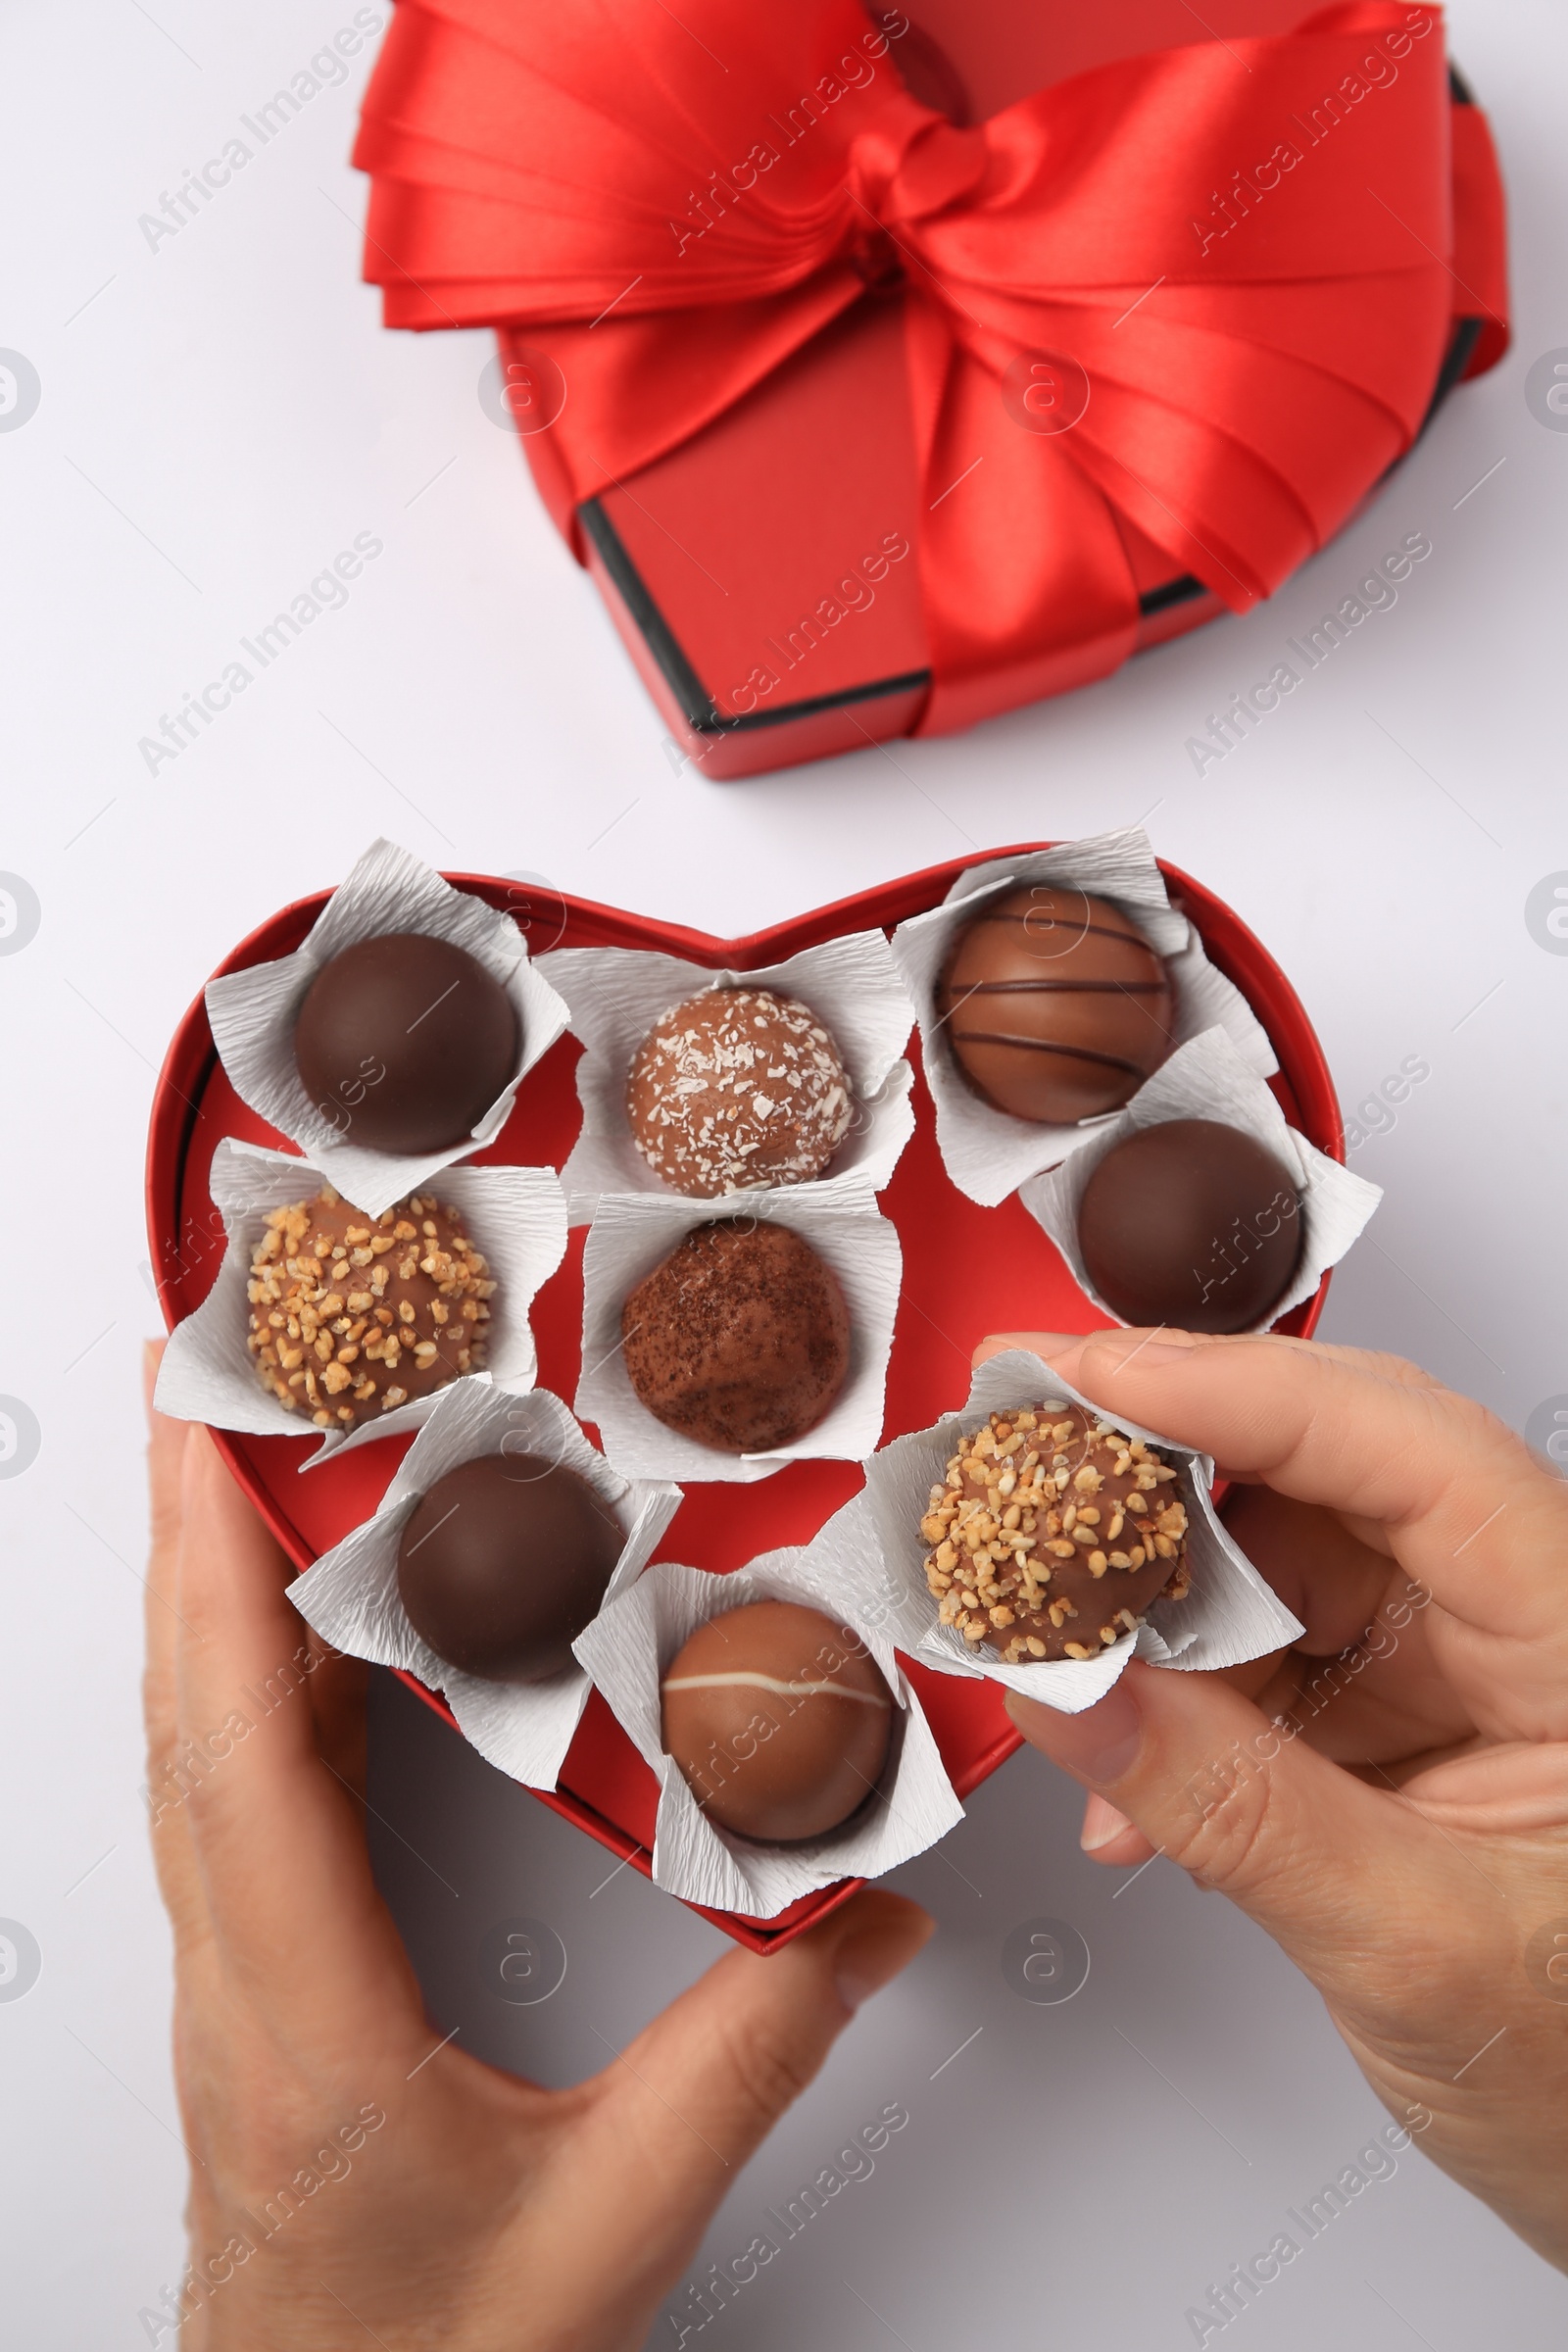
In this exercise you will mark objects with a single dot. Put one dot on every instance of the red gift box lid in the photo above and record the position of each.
(763, 574)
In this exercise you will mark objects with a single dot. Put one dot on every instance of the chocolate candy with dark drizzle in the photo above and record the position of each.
(1055, 1007)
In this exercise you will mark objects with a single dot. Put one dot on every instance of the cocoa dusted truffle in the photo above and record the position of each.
(779, 1720)
(1191, 1224)
(737, 1089)
(1055, 1005)
(739, 1338)
(352, 1316)
(502, 1565)
(1053, 1535)
(404, 1042)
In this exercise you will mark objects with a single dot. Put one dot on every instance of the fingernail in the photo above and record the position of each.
(1044, 1344)
(1101, 1823)
(1099, 1744)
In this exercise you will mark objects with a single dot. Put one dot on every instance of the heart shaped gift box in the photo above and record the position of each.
(1014, 1278)
(891, 368)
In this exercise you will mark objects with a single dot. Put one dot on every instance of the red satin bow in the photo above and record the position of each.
(673, 205)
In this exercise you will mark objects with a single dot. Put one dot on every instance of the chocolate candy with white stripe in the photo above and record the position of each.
(779, 1720)
(1055, 1007)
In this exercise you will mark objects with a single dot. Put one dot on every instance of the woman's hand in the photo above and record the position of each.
(1388, 1798)
(353, 2182)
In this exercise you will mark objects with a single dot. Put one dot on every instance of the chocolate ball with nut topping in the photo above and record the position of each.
(1053, 1534)
(352, 1316)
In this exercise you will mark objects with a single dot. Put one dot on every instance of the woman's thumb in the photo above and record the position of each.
(727, 2058)
(1311, 1853)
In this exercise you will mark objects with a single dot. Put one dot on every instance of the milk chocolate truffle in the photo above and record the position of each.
(779, 1720)
(1191, 1224)
(404, 1042)
(1053, 1535)
(352, 1316)
(736, 1089)
(739, 1338)
(1056, 1005)
(502, 1565)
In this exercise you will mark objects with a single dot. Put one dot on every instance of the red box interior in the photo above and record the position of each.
(1013, 1279)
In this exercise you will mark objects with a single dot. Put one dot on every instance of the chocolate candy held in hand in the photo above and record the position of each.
(779, 1720)
(1191, 1224)
(502, 1565)
(352, 1316)
(404, 1042)
(1055, 1005)
(1053, 1535)
(737, 1089)
(739, 1338)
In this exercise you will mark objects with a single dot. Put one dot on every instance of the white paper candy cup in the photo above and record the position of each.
(988, 1152)
(1207, 1079)
(253, 1016)
(351, 1594)
(617, 996)
(627, 1650)
(516, 1216)
(633, 1231)
(1228, 1615)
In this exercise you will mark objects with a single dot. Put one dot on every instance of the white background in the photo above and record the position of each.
(219, 418)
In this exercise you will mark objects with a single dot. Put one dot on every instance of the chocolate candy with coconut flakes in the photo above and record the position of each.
(1053, 1534)
(735, 1089)
(352, 1316)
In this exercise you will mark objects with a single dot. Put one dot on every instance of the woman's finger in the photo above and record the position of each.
(169, 1829)
(1055, 1347)
(1329, 1578)
(277, 1834)
(1471, 1517)
(691, 2097)
(1347, 1877)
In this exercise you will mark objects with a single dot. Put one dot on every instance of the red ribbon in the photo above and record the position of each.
(1241, 252)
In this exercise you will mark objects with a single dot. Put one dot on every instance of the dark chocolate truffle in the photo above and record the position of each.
(352, 1316)
(1191, 1224)
(1057, 1007)
(779, 1720)
(740, 1339)
(504, 1563)
(1053, 1535)
(404, 1042)
(737, 1089)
